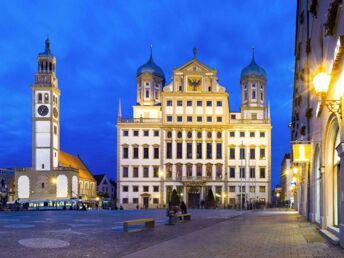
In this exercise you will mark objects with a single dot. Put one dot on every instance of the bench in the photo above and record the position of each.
(184, 217)
(149, 223)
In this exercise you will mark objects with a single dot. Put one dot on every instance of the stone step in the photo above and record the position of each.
(329, 236)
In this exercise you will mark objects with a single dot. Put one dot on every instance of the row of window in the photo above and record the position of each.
(232, 172)
(136, 200)
(189, 103)
(156, 153)
(190, 119)
(156, 133)
(199, 134)
(232, 188)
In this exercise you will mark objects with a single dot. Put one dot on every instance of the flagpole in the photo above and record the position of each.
(240, 172)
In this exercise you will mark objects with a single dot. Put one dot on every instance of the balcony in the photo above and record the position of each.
(139, 120)
(193, 178)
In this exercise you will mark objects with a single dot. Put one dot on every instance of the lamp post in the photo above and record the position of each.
(321, 82)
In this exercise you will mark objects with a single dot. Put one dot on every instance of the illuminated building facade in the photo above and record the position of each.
(55, 175)
(317, 114)
(184, 137)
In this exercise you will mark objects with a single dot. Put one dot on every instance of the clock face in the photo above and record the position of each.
(43, 110)
(55, 112)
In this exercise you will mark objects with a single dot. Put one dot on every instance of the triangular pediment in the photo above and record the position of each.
(194, 66)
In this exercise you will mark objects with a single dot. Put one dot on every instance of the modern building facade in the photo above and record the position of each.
(184, 137)
(52, 176)
(287, 183)
(317, 113)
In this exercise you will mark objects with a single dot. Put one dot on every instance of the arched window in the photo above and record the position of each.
(147, 93)
(61, 186)
(39, 98)
(46, 98)
(253, 94)
(23, 187)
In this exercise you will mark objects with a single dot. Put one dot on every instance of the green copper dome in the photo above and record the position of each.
(253, 69)
(151, 68)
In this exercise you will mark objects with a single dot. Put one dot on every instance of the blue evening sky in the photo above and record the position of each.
(100, 44)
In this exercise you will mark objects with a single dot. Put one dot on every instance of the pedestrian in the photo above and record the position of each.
(183, 208)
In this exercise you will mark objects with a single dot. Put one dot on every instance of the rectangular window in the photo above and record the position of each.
(189, 103)
(179, 103)
(209, 119)
(189, 118)
(145, 133)
(232, 188)
(242, 173)
(254, 116)
(125, 132)
(125, 200)
(209, 150)
(125, 152)
(125, 188)
(179, 119)
(219, 171)
(209, 103)
(155, 188)
(262, 134)
(219, 119)
(169, 103)
(262, 153)
(155, 171)
(179, 150)
(199, 119)
(135, 133)
(252, 189)
(125, 171)
(252, 134)
(189, 170)
(199, 150)
(262, 189)
(169, 118)
(232, 153)
(135, 152)
(252, 153)
(146, 172)
(135, 200)
(242, 153)
(169, 150)
(156, 152)
(242, 189)
(135, 188)
(135, 172)
(233, 116)
(145, 152)
(189, 150)
(219, 150)
(242, 134)
(219, 103)
(155, 200)
(231, 134)
(199, 103)
(232, 172)
(156, 133)
(262, 172)
(147, 93)
(199, 170)
(252, 172)
(146, 188)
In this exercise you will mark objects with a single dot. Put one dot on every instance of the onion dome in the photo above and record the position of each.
(253, 69)
(47, 51)
(151, 68)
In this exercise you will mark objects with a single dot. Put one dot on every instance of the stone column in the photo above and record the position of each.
(340, 150)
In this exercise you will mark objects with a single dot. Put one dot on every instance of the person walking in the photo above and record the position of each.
(183, 208)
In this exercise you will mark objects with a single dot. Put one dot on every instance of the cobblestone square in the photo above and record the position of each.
(210, 233)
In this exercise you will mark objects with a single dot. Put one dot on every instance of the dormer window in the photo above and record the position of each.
(147, 83)
(147, 93)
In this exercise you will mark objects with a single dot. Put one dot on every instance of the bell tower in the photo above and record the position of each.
(150, 80)
(45, 113)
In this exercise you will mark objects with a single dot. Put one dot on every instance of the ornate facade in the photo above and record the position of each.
(183, 136)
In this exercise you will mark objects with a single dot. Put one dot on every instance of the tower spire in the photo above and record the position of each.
(151, 52)
(253, 54)
(119, 115)
(47, 45)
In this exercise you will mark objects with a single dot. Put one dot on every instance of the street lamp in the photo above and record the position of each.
(321, 82)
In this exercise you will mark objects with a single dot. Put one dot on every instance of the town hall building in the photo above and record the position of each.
(184, 137)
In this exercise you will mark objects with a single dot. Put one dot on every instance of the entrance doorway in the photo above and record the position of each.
(194, 197)
(145, 202)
